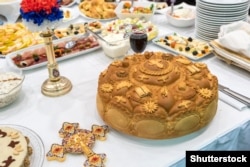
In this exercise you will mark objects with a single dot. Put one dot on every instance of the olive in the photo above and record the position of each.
(195, 53)
(190, 39)
(187, 48)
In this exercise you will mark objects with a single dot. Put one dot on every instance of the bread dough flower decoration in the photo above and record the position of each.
(40, 10)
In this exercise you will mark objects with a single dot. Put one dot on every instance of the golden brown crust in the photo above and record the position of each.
(157, 95)
(97, 9)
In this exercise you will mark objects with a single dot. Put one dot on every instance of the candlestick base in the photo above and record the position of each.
(56, 88)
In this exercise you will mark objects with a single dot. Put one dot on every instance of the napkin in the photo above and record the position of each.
(236, 37)
(232, 102)
(10, 10)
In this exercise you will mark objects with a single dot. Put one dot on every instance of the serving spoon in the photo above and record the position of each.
(131, 9)
(172, 7)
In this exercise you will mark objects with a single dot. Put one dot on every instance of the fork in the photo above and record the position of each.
(245, 100)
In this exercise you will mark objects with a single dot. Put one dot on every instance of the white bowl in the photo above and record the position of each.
(146, 4)
(181, 17)
(10, 85)
(117, 47)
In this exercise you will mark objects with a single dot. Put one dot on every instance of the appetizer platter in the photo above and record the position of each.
(103, 10)
(144, 10)
(119, 26)
(16, 36)
(35, 56)
(77, 29)
(190, 47)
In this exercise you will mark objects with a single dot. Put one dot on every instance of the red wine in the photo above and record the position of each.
(138, 41)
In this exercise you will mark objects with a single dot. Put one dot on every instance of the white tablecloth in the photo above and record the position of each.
(229, 130)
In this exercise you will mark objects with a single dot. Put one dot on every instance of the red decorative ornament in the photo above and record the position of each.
(38, 5)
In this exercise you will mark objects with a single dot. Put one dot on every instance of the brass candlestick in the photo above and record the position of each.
(55, 85)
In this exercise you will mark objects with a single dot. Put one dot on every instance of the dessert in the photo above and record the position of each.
(79, 141)
(157, 95)
(15, 149)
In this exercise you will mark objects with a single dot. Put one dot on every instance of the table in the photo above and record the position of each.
(229, 130)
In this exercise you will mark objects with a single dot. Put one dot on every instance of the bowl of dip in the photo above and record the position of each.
(116, 46)
(181, 17)
(11, 81)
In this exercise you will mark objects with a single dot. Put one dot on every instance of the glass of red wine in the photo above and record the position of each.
(138, 40)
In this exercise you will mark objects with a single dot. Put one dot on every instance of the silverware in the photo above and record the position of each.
(172, 7)
(131, 9)
(243, 99)
(70, 44)
(100, 37)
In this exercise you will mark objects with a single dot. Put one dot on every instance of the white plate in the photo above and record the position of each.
(230, 56)
(78, 1)
(89, 18)
(224, 2)
(73, 14)
(146, 16)
(72, 3)
(190, 56)
(38, 153)
(68, 56)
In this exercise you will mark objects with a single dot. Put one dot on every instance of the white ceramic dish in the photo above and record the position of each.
(89, 18)
(73, 14)
(146, 4)
(186, 54)
(70, 4)
(38, 152)
(161, 7)
(224, 2)
(67, 56)
(181, 17)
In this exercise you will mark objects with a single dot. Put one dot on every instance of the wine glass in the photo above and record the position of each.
(138, 40)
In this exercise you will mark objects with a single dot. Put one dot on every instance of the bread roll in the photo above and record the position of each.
(156, 95)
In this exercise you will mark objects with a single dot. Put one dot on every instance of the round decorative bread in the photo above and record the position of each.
(15, 149)
(157, 95)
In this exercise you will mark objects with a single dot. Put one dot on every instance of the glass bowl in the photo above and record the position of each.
(115, 46)
(11, 80)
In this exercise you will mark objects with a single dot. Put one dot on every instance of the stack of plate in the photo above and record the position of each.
(211, 14)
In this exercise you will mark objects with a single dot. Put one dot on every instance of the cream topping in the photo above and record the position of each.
(13, 147)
